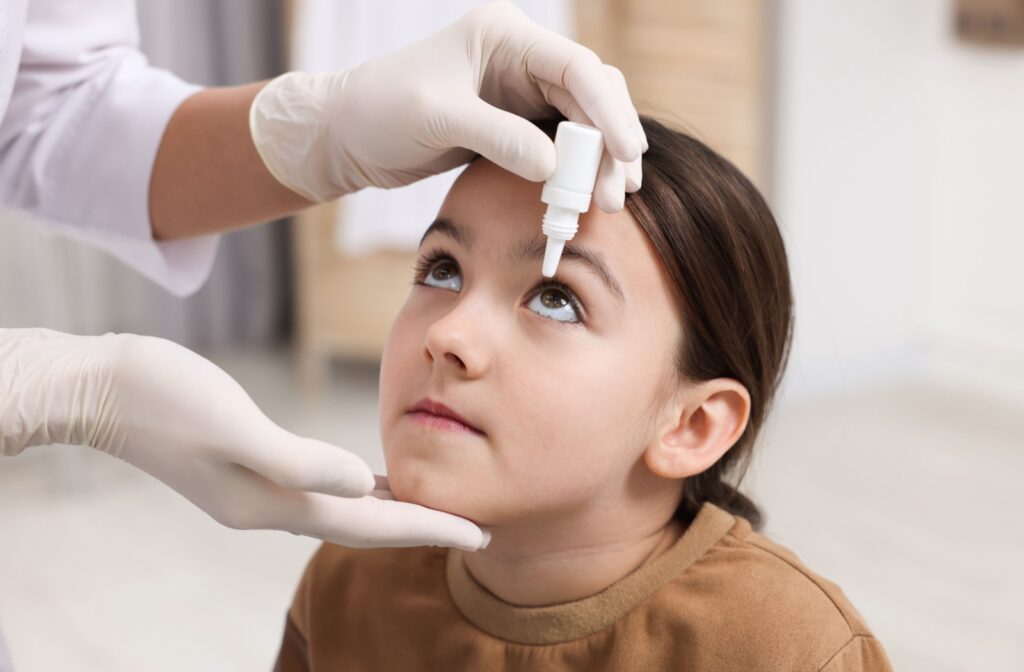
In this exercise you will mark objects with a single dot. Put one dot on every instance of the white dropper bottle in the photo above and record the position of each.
(567, 192)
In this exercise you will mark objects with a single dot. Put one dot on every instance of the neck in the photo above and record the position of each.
(556, 562)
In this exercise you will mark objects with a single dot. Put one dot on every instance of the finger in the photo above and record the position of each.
(369, 522)
(298, 463)
(634, 168)
(507, 139)
(610, 187)
(560, 99)
(634, 175)
(560, 61)
(563, 101)
(619, 80)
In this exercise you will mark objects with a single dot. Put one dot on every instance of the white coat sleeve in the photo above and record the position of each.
(79, 138)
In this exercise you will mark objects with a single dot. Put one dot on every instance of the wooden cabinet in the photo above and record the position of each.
(704, 65)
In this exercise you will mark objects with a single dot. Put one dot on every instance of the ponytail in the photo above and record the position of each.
(698, 489)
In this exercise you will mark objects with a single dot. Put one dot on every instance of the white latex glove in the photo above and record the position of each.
(468, 89)
(178, 417)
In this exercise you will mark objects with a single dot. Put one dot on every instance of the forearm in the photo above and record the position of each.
(207, 176)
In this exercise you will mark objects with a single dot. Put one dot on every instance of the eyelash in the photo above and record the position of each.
(426, 262)
(429, 259)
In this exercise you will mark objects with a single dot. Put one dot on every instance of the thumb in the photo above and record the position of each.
(308, 465)
(506, 139)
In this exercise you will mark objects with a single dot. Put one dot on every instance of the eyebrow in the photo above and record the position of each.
(532, 248)
(450, 228)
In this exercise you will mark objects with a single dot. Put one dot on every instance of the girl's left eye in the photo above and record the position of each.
(556, 303)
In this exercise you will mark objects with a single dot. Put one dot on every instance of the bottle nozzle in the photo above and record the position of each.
(552, 253)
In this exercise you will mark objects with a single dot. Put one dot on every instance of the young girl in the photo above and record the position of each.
(590, 422)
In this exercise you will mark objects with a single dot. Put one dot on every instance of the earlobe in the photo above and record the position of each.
(706, 422)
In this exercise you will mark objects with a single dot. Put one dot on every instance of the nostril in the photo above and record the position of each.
(452, 357)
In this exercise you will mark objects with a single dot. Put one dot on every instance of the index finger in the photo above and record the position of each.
(571, 66)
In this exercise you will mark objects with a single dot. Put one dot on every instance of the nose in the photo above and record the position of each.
(458, 340)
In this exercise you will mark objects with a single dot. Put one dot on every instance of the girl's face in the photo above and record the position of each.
(564, 377)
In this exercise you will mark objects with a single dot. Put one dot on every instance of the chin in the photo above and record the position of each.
(415, 484)
(436, 489)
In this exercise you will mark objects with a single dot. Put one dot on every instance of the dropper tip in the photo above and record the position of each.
(552, 254)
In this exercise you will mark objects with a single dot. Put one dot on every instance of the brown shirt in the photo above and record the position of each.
(721, 598)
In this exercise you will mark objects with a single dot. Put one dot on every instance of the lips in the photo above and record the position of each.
(436, 408)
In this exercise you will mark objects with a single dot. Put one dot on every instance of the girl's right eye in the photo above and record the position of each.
(441, 272)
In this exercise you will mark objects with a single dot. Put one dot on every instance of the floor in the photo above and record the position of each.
(907, 496)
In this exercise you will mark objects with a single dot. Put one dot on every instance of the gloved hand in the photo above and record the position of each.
(176, 416)
(468, 89)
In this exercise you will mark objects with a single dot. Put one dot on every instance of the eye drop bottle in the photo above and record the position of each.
(567, 192)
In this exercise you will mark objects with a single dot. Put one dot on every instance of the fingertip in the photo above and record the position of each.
(609, 204)
(337, 472)
(477, 541)
(354, 480)
(615, 198)
(634, 177)
(538, 163)
(609, 190)
(465, 535)
(523, 149)
(369, 482)
(641, 135)
(626, 150)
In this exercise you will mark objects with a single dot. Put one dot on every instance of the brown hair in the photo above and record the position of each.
(719, 242)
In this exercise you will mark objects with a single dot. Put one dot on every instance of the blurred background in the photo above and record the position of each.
(888, 138)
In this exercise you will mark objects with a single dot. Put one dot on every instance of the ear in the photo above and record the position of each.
(704, 421)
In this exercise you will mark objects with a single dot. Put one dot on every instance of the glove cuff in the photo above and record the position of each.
(289, 122)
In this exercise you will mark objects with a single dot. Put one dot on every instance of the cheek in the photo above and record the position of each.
(398, 375)
(394, 365)
(400, 364)
(579, 421)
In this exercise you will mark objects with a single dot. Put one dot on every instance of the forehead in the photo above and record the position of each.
(501, 209)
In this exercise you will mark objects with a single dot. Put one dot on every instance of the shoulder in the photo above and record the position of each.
(768, 606)
(785, 582)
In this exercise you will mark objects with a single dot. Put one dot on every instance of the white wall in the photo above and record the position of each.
(899, 154)
(975, 166)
